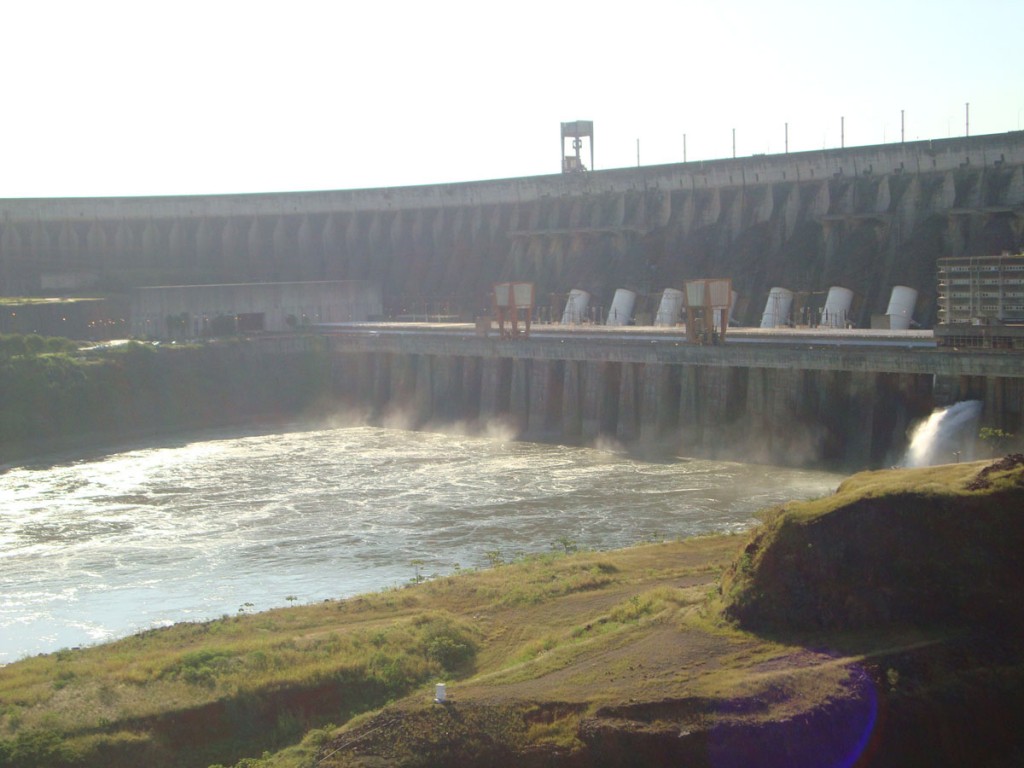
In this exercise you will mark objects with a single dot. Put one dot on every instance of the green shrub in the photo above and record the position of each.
(34, 344)
(201, 667)
(447, 643)
(31, 749)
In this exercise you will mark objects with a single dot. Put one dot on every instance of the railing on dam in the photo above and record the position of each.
(908, 353)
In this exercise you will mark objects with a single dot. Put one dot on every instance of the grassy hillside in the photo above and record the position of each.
(866, 628)
(928, 547)
(196, 694)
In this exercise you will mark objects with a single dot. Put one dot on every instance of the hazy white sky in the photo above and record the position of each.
(136, 97)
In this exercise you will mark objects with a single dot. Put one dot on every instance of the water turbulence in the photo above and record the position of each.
(187, 531)
(946, 436)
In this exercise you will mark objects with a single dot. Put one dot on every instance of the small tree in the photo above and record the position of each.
(996, 438)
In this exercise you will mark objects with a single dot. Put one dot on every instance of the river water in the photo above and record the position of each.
(96, 548)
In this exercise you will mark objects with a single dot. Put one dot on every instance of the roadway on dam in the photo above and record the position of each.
(641, 334)
(865, 350)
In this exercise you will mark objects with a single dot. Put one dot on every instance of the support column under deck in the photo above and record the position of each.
(423, 397)
(600, 399)
(628, 427)
(572, 401)
(519, 396)
(659, 402)
(545, 418)
(495, 386)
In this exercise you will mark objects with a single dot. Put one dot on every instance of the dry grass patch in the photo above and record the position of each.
(512, 625)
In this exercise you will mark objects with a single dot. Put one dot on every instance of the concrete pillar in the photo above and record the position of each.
(717, 395)
(658, 208)
(755, 428)
(331, 239)
(734, 209)
(401, 391)
(572, 401)
(957, 229)
(282, 250)
(628, 427)
(69, 243)
(883, 196)
(908, 209)
(944, 196)
(471, 387)
(306, 266)
(600, 399)
(423, 398)
(495, 384)
(403, 380)
(253, 269)
(8, 255)
(687, 212)
(659, 401)
(446, 388)
(341, 370)
(1013, 406)
(712, 408)
(232, 248)
(789, 207)
(994, 405)
(545, 400)
(711, 208)
(208, 250)
(151, 242)
(859, 431)
(793, 440)
(366, 377)
(615, 211)
(97, 246)
(831, 232)
(381, 388)
(821, 202)
(125, 247)
(690, 424)
(352, 378)
(519, 396)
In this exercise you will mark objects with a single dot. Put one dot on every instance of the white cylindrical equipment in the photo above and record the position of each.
(621, 311)
(576, 307)
(440, 693)
(776, 309)
(836, 311)
(901, 307)
(670, 308)
(723, 317)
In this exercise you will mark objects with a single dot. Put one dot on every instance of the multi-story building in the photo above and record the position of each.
(981, 302)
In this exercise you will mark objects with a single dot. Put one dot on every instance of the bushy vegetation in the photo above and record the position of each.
(55, 396)
(18, 345)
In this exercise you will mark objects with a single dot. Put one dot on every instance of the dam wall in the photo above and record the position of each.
(787, 406)
(865, 218)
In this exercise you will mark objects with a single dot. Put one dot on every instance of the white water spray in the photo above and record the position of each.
(946, 437)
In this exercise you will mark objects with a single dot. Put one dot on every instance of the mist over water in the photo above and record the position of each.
(946, 436)
(97, 548)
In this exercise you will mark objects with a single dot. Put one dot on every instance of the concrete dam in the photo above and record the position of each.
(864, 218)
(846, 402)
